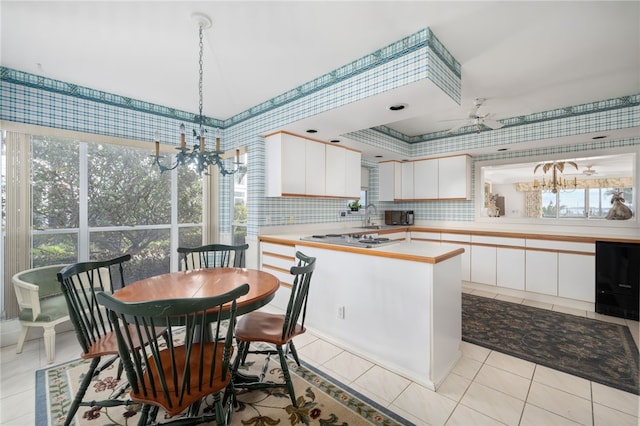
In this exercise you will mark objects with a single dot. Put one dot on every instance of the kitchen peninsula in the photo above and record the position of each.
(397, 304)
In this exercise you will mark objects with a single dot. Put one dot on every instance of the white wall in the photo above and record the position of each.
(513, 200)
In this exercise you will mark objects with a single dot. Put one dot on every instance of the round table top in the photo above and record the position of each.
(204, 283)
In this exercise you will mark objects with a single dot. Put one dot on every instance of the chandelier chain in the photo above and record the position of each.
(200, 81)
(198, 157)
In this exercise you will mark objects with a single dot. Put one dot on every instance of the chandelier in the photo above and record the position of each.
(198, 156)
(556, 183)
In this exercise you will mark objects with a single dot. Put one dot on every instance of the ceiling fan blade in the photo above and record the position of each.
(493, 124)
(458, 127)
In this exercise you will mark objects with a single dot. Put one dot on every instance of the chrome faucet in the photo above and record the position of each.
(367, 215)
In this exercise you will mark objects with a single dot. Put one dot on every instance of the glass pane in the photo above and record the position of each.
(189, 196)
(598, 204)
(125, 188)
(549, 205)
(55, 183)
(51, 249)
(239, 226)
(190, 236)
(572, 203)
(149, 248)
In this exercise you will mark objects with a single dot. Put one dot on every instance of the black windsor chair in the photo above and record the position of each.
(177, 376)
(213, 256)
(277, 329)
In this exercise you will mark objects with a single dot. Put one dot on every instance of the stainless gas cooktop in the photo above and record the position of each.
(353, 240)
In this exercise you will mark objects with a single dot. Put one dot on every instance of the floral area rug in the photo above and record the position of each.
(595, 350)
(321, 399)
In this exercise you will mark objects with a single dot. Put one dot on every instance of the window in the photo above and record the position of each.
(583, 192)
(94, 200)
(239, 225)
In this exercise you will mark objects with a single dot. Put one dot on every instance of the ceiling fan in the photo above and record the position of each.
(474, 118)
(589, 171)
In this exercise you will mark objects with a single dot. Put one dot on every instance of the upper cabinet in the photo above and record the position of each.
(390, 181)
(297, 166)
(454, 177)
(446, 178)
(425, 179)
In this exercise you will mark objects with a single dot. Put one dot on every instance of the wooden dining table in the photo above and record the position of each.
(204, 283)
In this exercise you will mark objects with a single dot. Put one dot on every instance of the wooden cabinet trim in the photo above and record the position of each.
(278, 255)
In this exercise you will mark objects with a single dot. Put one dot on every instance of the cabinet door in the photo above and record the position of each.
(315, 168)
(454, 177)
(541, 272)
(390, 179)
(293, 164)
(510, 268)
(577, 276)
(407, 180)
(353, 174)
(425, 179)
(483, 264)
(336, 171)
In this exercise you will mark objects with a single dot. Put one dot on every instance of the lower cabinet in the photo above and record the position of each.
(483, 264)
(541, 272)
(510, 268)
(460, 241)
(577, 276)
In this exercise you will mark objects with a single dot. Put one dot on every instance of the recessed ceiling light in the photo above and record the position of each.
(598, 137)
(502, 149)
(312, 131)
(335, 141)
(398, 107)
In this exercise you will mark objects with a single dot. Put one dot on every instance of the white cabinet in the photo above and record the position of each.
(483, 264)
(297, 166)
(390, 181)
(576, 276)
(285, 167)
(407, 181)
(425, 179)
(454, 177)
(315, 159)
(336, 172)
(510, 267)
(541, 272)
(353, 160)
(431, 179)
(460, 241)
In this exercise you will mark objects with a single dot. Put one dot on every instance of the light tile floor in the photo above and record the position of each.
(485, 387)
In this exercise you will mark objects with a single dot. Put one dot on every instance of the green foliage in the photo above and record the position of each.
(240, 213)
(124, 189)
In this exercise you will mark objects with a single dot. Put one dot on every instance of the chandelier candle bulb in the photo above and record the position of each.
(217, 144)
(237, 156)
(201, 143)
(157, 149)
(183, 142)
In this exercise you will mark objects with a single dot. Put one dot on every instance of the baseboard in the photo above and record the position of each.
(538, 297)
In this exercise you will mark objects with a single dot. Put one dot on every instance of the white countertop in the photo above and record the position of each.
(412, 251)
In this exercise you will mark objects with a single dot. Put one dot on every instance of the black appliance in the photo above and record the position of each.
(398, 217)
(617, 279)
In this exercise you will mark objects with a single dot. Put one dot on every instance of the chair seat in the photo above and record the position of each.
(51, 309)
(264, 327)
(108, 344)
(172, 404)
